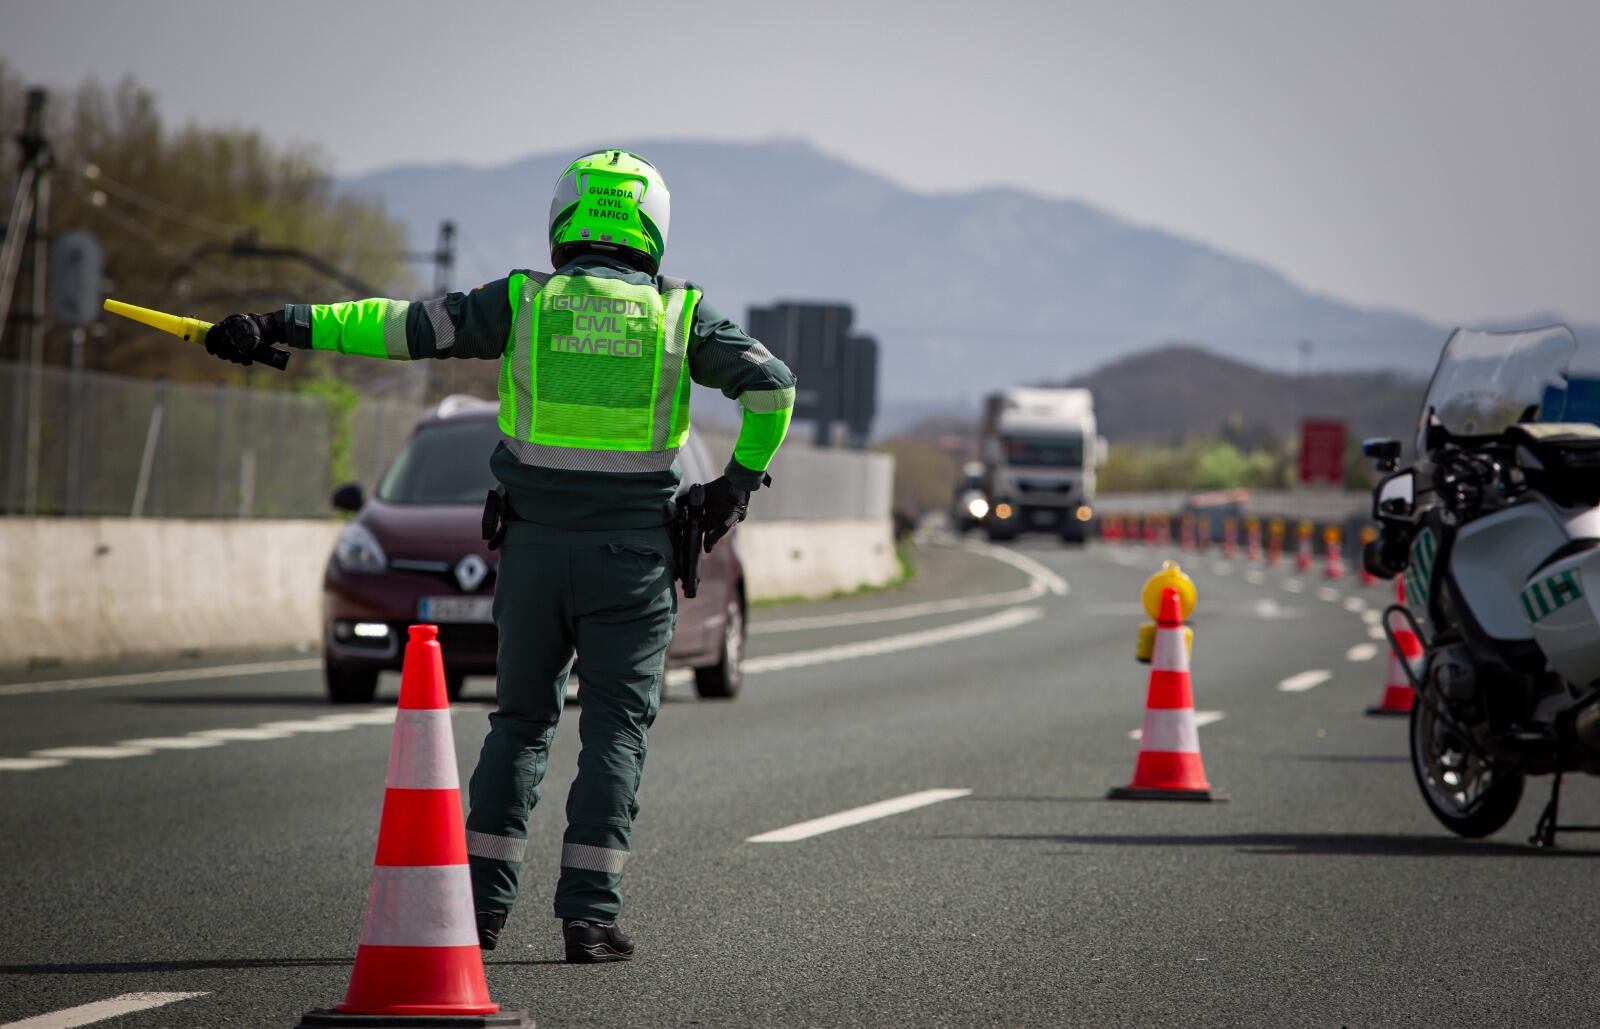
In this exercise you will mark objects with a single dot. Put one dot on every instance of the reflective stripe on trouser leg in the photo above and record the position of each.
(624, 611)
(499, 848)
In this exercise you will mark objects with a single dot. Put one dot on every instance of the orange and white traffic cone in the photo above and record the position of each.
(1186, 533)
(1302, 553)
(1230, 537)
(1333, 552)
(1252, 535)
(1398, 694)
(1169, 766)
(418, 962)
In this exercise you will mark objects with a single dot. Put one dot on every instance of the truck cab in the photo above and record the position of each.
(1039, 452)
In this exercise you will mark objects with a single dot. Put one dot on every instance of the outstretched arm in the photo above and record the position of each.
(475, 324)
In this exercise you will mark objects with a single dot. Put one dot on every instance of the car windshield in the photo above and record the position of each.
(443, 463)
(1045, 451)
(1488, 381)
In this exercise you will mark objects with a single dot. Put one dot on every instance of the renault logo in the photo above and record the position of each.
(471, 571)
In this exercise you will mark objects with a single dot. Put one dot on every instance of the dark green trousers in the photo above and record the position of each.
(608, 598)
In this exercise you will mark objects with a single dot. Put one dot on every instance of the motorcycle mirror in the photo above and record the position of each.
(1396, 496)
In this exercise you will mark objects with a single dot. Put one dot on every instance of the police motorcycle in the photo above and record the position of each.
(1496, 530)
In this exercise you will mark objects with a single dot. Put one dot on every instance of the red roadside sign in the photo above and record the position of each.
(1322, 451)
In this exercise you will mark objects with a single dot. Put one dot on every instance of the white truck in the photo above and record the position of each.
(1039, 451)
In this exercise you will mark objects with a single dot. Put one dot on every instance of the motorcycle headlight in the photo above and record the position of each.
(357, 550)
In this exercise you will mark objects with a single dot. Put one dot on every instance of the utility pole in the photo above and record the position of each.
(30, 208)
(444, 258)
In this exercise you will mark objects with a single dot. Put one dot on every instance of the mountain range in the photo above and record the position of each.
(965, 291)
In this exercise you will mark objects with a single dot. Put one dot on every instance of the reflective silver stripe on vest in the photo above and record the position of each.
(593, 859)
(394, 330)
(522, 335)
(676, 344)
(423, 755)
(424, 906)
(575, 459)
(444, 330)
(499, 848)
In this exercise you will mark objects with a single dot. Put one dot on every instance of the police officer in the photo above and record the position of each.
(595, 368)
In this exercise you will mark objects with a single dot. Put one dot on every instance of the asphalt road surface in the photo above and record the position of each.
(179, 830)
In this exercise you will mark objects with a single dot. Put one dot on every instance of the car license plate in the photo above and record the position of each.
(1044, 518)
(455, 609)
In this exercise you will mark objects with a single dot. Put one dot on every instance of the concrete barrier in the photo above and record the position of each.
(91, 589)
(816, 558)
(84, 589)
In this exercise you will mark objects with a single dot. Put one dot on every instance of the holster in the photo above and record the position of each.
(688, 538)
(497, 514)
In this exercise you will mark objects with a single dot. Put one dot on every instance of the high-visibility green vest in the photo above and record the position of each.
(595, 376)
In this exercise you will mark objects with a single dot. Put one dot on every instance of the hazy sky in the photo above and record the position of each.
(1440, 157)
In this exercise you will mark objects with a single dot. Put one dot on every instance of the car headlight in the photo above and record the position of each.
(977, 507)
(357, 550)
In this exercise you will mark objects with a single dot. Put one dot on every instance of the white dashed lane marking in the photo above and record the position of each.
(100, 1010)
(1255, 578)
(1294, 585)
(1376, 632)
(1354, 604)
(1328, 593)
(856, 816)
(1306, 680)
(1361, 652)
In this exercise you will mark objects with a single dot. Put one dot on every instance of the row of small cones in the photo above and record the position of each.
(1169, 766)
(1333, 566)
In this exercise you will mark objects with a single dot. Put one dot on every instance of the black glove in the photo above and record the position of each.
(726, 506)
(240, 338)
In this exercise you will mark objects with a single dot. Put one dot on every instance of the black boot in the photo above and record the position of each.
(590, 942)
(489, 926)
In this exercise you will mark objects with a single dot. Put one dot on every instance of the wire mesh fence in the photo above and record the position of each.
(88, 443)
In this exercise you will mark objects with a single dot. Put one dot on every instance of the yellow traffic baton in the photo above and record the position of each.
(191, 330)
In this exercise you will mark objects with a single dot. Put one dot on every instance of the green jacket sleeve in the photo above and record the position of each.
(723, 357)
(475, 324)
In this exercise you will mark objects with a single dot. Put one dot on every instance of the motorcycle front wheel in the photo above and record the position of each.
(1472, 797)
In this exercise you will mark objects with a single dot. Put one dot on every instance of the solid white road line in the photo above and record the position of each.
(244, 735)
(1294, 585)
(1201, 718)
(29, 764)
(1305, 680)
(1361, 652)
(150, 678)
(170, 743)
(1038, 572)
(893, 614)
(997, 622)
(93, 753)
(100, 1010)
(855, 816)
(1354, 605)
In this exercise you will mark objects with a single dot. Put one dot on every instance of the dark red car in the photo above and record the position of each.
(415, 553)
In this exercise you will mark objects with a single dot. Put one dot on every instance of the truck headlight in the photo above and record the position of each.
(1084, 512)
(357, 550)
(1002, 510)
(977, 507)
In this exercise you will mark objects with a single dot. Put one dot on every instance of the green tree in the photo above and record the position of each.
(155, 195)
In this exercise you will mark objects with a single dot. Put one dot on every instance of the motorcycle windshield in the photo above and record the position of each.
(1488, 381)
